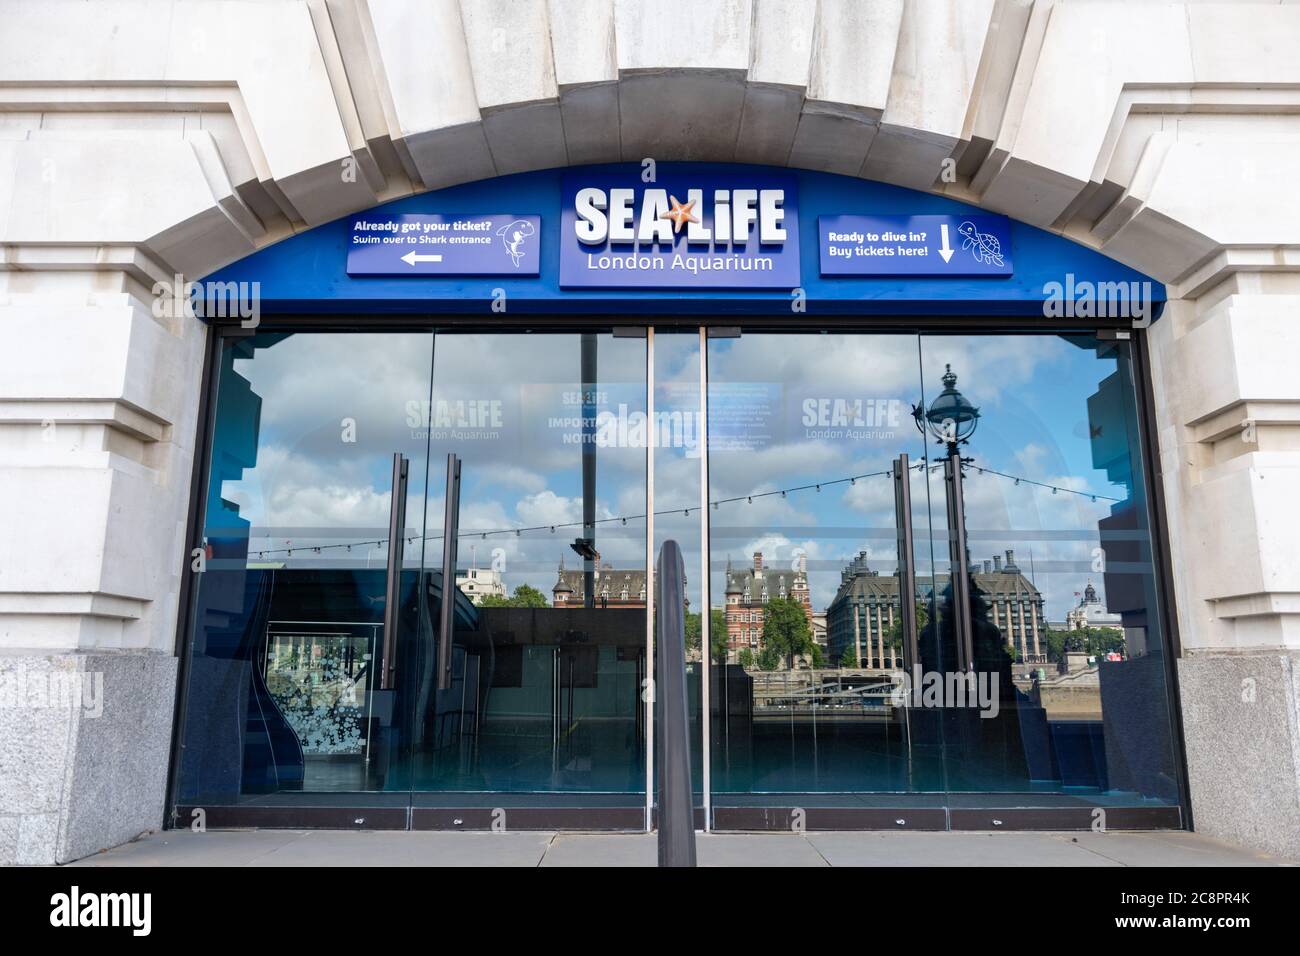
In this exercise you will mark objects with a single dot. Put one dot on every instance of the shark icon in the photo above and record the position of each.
(514, 234)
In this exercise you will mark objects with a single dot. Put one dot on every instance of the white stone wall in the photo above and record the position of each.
(144, 138)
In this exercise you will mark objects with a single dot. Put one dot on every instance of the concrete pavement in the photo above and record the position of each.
(551, 848)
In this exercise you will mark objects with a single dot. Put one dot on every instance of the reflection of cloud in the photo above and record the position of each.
(512, 476)
(738, 472)
(991, 369)
(547, 507)
(1032, 390)
(874, 496)
(1053, 535)
(326, 506)
(1031, 458)
(290, 490)
(884, 365)
(310, 383)
(819, 365)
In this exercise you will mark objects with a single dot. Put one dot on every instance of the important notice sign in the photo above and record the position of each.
(688, 229)
(423, 244)
(914, 245)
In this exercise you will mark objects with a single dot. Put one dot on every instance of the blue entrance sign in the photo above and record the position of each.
(305, 274)
(687, 230)
(914, 245)
(417, 244)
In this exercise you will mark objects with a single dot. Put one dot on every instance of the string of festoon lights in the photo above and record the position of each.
(485, 533)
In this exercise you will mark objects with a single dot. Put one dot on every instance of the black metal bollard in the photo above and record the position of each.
(672, 736)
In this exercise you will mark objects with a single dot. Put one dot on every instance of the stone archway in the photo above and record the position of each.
(968, 102)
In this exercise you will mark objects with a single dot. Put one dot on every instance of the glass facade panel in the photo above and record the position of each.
(548, 653)
(840, 672)
(1073, 705)
(283, 697)
(804, 433)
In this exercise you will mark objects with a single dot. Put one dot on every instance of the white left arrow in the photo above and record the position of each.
(945, 249)
(411, 258)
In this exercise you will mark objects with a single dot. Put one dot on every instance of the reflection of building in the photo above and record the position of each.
(477, 583)
(862, 615)
(1016, 606)
(819, 630)
(1090, 612)
(751, 588)
(614, 587)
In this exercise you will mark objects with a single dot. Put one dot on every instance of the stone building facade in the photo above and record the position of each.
(149, 139)
(862, 615)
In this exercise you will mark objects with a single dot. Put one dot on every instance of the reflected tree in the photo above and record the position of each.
(524, 596)
(786, 632)
(717, 633)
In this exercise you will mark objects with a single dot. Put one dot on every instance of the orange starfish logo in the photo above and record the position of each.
(679, 214)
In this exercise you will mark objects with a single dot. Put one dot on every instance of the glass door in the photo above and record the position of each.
(369, 494)
(816, 473)
(1066, 718)
(536, 702)
(291, 704)
(1028, 685)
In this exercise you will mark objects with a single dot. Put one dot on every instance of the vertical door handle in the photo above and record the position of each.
(393, 594)
(447, 610)
(906, 570)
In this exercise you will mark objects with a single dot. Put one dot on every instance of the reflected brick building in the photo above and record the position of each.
(749, 589)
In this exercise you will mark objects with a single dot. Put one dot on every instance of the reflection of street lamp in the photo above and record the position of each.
(952, 420)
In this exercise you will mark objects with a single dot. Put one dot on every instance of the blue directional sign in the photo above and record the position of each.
(420, 244)
(914, 245)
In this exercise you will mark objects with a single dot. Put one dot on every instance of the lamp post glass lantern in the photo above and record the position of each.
(951, 418)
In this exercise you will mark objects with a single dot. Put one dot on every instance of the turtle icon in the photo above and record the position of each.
(982, 245)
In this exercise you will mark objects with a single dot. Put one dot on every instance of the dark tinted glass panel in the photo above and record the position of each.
(283, 699)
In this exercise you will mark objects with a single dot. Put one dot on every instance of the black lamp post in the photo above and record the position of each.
(951, 419)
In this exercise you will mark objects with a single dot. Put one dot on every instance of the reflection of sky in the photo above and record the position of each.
(1032, 393)
(509, 404)
(529, 472)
